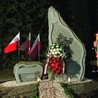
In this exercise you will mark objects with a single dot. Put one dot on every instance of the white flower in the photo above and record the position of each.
(57, 46)
(55, 50)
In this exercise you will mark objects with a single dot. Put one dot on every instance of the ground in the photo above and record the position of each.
(27, 91)
(82, 90)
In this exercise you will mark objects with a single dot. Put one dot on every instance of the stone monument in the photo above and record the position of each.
(28, 71)
(75, 66)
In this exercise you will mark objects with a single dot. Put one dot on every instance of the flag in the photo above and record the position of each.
(26, 45)
(13, 45)
(35, 49)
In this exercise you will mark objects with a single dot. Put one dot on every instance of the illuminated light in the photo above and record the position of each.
(97, 36)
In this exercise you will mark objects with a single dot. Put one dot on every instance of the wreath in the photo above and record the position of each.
(55, 54)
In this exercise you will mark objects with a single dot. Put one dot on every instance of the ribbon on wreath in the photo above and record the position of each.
(46, 65)
(63, 66)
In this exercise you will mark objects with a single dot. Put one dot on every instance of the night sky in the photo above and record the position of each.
(68, 7)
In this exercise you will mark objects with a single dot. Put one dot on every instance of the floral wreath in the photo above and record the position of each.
(55, 62)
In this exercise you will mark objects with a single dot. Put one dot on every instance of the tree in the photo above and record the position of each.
(22, 16)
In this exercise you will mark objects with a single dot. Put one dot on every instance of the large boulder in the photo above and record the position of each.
(75, 66)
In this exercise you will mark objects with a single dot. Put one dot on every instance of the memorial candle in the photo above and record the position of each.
(69, 79)
(97, 37)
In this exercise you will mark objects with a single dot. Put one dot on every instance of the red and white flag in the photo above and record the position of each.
(13, 45)
(26, 45)
(35, 49)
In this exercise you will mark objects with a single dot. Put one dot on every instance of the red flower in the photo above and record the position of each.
(58, 58)
(53, 71)
(52, 64)
(50, 61)
(56, 65)
(53, 58)
(49, 67)
(54, 61)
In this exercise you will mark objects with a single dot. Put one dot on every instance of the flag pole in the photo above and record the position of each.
(29, 44)
(39, 48)
(18, 48)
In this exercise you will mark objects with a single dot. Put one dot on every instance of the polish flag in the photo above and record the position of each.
(26, 45)
(13, 45)
(35, 49)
